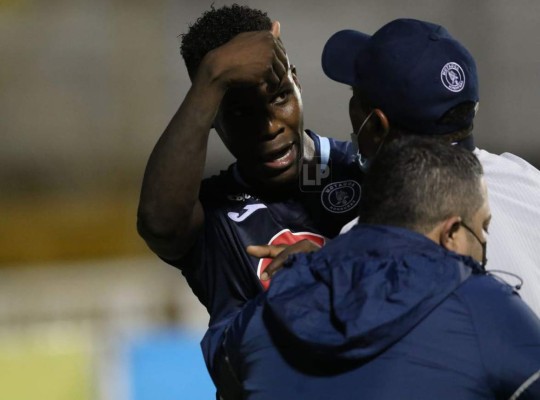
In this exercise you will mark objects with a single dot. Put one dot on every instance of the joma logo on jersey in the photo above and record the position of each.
(245, 212)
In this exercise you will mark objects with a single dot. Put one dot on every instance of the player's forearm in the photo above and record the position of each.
(168, 208)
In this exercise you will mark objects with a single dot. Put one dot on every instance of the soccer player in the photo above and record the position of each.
(399, 307)
(287, 184)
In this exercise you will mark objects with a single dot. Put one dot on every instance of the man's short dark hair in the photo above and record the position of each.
(216, 27)
(417, 182)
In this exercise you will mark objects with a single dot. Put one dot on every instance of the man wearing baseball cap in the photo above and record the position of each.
(413, 77)
(410, 77)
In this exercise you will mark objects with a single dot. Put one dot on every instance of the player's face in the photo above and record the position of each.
(264, 131)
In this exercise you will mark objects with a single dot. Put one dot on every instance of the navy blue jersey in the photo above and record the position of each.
(218, 269)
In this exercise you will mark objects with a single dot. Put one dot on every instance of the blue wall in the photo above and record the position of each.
(168, 365)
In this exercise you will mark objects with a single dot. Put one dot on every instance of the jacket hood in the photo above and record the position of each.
(363, 291)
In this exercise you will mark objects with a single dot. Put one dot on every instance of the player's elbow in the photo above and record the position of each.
(151, 226)
(167, 239)
(164, 242)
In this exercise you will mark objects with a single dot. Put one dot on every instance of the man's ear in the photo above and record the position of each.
(295, 78)
(447, 235)
(382, 121)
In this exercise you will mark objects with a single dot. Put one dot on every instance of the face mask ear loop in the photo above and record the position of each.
(357, 134)
(354, 140)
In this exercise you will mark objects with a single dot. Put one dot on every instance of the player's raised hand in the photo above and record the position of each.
(279, 254)
(249, 59)
(281, 64)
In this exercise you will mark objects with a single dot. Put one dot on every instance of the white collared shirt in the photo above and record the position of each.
(514, 233)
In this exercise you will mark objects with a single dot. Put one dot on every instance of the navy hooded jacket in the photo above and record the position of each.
(385, 313)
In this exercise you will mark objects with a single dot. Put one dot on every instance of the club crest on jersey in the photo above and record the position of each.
(340, 197)
(453, 77)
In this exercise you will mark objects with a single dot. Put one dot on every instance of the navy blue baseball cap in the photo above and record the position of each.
(414, 71)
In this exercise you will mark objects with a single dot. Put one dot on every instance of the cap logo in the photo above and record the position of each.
(453, 77)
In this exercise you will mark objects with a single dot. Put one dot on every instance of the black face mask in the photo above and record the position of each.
(483, 244)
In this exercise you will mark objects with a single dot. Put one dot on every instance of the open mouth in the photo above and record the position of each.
(282, 159)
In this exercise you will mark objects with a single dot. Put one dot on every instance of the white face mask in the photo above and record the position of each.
(364, 163)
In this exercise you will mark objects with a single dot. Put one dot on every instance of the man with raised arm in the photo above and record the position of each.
(287, 184)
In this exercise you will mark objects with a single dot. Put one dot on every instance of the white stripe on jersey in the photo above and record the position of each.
(324, 144)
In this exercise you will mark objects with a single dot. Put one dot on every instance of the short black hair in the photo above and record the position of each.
(216, 27)
(417, 182)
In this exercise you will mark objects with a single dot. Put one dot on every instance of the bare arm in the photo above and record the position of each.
(170, 215)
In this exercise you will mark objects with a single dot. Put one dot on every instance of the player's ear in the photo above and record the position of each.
(295, 77)
(447, 235)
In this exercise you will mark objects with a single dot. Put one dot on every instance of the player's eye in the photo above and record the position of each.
(281, 97)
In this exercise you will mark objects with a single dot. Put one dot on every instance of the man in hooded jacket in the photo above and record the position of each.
(401, 306)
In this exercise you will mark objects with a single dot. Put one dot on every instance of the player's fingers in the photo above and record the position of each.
(265, 251)
(276, 28)
(303, 246)
(279, 69)
(272, 81)
(281, 63)
(276, 264)
(281, 53)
